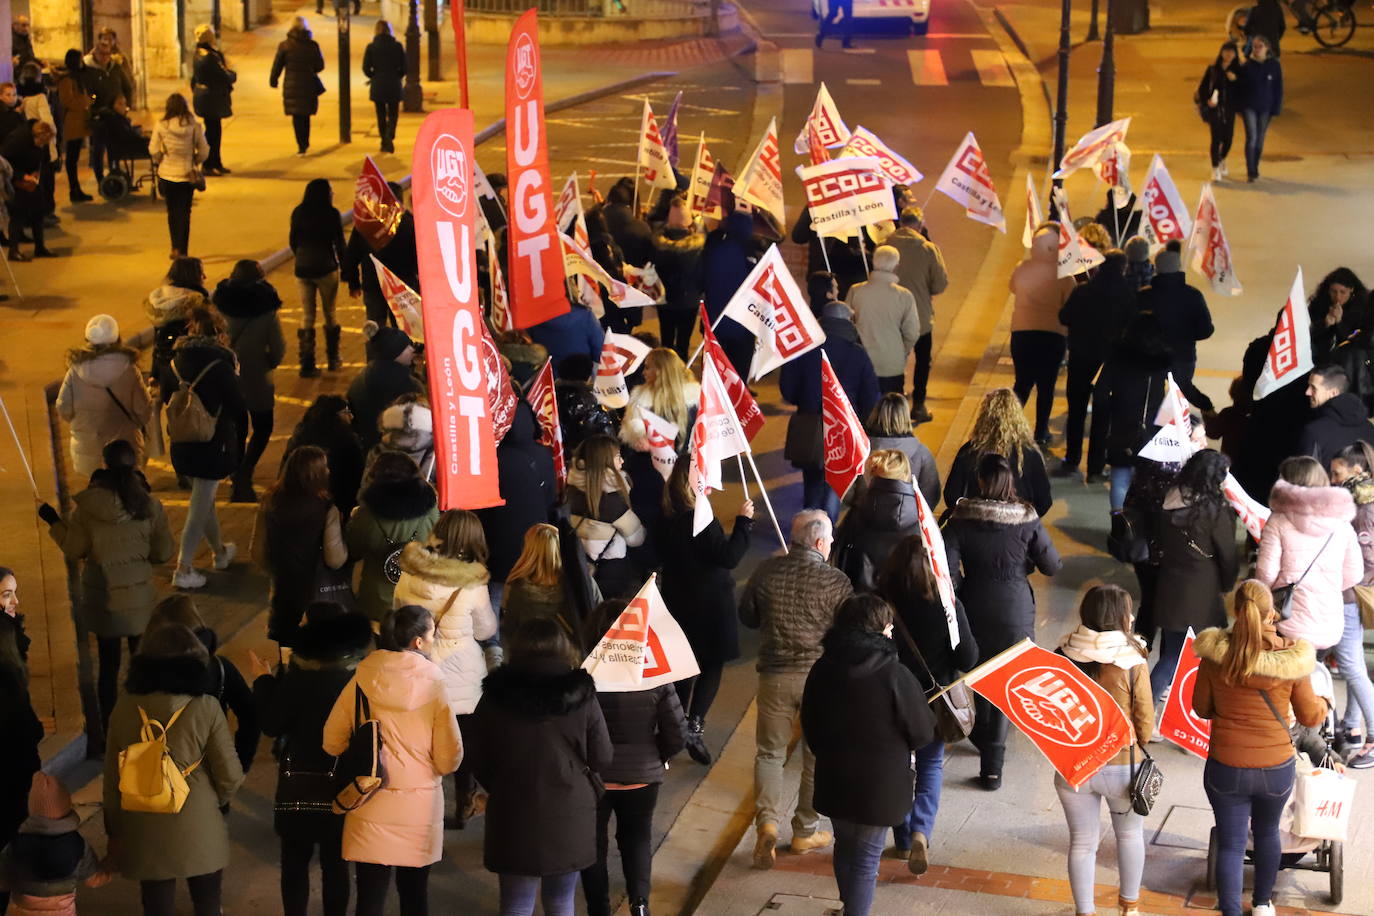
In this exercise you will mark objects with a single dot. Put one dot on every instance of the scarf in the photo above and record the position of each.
(1112, 648)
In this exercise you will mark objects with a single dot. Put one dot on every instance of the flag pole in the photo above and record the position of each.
(863, 252)
(25, 458)
(766, 501)
(968, 674)
(743, 478)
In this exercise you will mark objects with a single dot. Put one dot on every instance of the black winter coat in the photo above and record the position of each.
(647, 728)
(883, 514)
(1182, 313)
(535, 733)
(212, 84)
(1032, 481)
(580, 414)
(528, 486)
(1340, 422)
(1228, 92)
(225, 683)
(317, 242)
(631, 233)
(220, 393)
(23, 732)
(677, 255)
(294, 703)
(862, 714)
(384, 63)
(842, 257)
(992, 547)
(1197, 565)
(925, 623)
(345, 452)
(399, 256)
(299, 58)
(698, 586)
(1131, 385)
(1096, 314)
(374, 390)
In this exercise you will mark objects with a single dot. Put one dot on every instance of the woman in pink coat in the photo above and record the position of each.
(1310, 526)
(402, 826)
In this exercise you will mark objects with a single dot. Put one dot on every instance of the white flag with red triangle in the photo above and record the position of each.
(967, 181)
(1290, 351)
(644, 648)
(578, 260)
(403, 301)
(1093, 146)
(846, 442)
(1253, 514)
(1163, 215)
(717, 436)
(1114, 168)
(1035, 215)
(816, 150)
(653, 155)
(1174, 406)
(1075, 254)
(771, 307)
(703, 170)
(760, 181)
(621, 355)
(542, 396)
(1209, 251)
(825, 118)
(661, 437)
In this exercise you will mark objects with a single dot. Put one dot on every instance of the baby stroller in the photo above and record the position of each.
(1302, 852)
(124, 146)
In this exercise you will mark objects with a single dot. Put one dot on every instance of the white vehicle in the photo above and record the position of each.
(917, 12)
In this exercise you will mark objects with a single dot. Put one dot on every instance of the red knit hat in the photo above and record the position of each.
(48, 797)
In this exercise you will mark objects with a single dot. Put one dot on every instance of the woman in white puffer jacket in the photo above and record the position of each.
(1310, 526)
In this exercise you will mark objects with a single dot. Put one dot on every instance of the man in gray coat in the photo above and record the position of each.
(885, 313)
(792, 600)
(922, 271)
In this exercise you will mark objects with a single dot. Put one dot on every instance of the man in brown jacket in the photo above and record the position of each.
(922, 271)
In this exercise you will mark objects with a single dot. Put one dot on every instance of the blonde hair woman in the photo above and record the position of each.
(669, 391)
(600, 513)
(889, 426)
(538, 585)
(1000, 429)
(883, 514)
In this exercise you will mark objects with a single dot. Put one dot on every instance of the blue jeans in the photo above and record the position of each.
(930, 770)
(858, 849)
(1246, 800)
(1359, 692)
(556, 892)
(1162, 674)
(1121, 482)
(818, 494)
(1256, 126)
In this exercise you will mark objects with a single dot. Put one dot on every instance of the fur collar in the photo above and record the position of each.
(994, 511)
(423, 561)
(337, 640)
(538, 689)
(410, 498)
(1313, 503)
(182, 676)
(1286, 660)
(1361, 487)
(197, 342)
(78, 355)
(246, 300)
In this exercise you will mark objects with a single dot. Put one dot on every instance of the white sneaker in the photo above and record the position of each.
(1224, 170)
(1263, 909)
(226, 556)
(188, 579)
(1216, 173)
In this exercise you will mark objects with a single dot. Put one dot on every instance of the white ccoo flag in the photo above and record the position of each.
(1209, 252)
(1093, 147)
(760, 182)
(653, 156)
(716, 437)
(1290, 352)
(1163, 215)
(826, 118)
(967, 181)
(771, 307)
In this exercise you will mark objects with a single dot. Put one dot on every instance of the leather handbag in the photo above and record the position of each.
(1127, 541)
(953, 709)
(1147, 780)
(1283, 594)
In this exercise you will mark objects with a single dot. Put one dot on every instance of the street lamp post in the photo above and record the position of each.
(432, 44)
(1061, 114)
(342, 10)
(1092, 24)
(413, 99)
(1106, 72)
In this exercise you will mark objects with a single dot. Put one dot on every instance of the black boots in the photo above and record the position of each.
(243, 490)
(696, 741)
(331, 346)
(306, 338)
(640, 907)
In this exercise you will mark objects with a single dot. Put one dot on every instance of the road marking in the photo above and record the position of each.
(860, 50)
(959, 36)
(992, 67)
(796, 65)
(927, 68)
(854, 81)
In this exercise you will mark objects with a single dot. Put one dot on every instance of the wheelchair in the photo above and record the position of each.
(125, 150)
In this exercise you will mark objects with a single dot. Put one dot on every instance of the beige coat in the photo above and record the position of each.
(889, 325)
(1039, 290)
(403, 824)
(91, 411)
(921, 270)
(178, 148)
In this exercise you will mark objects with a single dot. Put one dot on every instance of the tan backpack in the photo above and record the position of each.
(187, 418)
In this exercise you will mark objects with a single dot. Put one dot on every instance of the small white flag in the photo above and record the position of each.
(1290, 351)
(644, 648)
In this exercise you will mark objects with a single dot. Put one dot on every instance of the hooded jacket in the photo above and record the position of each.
(883, 514)
(677, 255)
(889, 325)
(524, 467)
(178, 148)
(646, 728)
(299, 58)
(1197, 557)
(923, 467)
(921, 271)
(1245, 733)
(1116, 661)
(103, 398)
(799, 382)
(1301, 521)
(117, 591)
(250, 309)
(403, 824)
(1340, 422)
(792, 600)
(1039, 290)
(455, 592)
(863, 714)
(375, 389)
(1182, 313)
(389, 515)
(408, 428)
(536, 732)
(169, 309)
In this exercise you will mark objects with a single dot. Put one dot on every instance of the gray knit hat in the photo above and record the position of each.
(1137, 249)
(1170, 260)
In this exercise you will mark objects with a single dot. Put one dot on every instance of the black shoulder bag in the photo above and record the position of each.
(359, 768)
(954, 708)
(1147, 779)
(1283, 594)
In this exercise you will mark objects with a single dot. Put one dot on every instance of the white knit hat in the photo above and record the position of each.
(407, 416)
(102, 330)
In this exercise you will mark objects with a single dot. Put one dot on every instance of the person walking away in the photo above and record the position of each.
(1266, 23)
(844, 11)
(169, 308)
(698, 587)
(169, 678)
(447, 575)
(864, 716)
(575, 332)
(882, 514)
(727, 258)
(671, 392)
(799, 382)
(401, 828)
(249, 305)
(599, 506)
(118, 528)
(1218, 98)
(387, 376)
(75, 103)
(1096, 315)
(1000, 428)
(297, 67)
(298, 541)
(678, 248)
(102, 397)
(1339, 418)
(1130, 389)
(203, 361)
(539, 744)
(921, 271)
(1261, 80)
(212, 92)
(327, 423)
(906, 582)
(792, 600)
(541, 585)
(646, 729)
(1195, 543)
(293, 704)
(384, 65)
(178, 149)
(1104, 648)
(993, 542)
(317, 242)
(48, 857)
(1351, 468)
(396, 506)
(398, 256)
(1182, 312)
(1248, 679)
(580, 414)
(105, 79)
(885, 314)
(1037, 337)
(26, 150)
(889, 427)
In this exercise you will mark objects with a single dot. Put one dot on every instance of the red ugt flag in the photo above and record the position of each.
(746, 408)
(376, 211)
(846, 443)
(1069, 717)
(1179, 723)
(541, 397)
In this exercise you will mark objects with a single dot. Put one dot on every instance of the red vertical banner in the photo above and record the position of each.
(1179, 723)
(535, 269)
(458, 10)
(445, 235)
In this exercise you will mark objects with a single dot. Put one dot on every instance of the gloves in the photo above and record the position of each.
(48, 514)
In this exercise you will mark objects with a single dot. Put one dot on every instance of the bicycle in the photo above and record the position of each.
(1330, 22)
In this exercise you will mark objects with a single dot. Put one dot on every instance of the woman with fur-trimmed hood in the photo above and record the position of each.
(169, 309)
(102, 396)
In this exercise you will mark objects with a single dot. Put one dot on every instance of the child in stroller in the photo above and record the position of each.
(124, 144)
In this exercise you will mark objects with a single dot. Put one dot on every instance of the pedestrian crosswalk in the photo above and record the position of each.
(957, 65)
